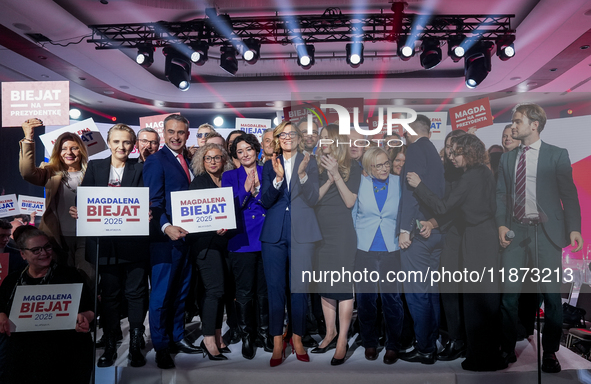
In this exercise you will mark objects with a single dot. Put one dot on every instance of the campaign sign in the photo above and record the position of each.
(30, 204)
(8, 205)
(255, 126)
(475, 114)
(45, 100)
(86, 129)
(45, 307)
(350, 104)
(295, 113)
(109, 211)
(4, 265)
(438, 124)
(204, 209)
(374, 121)
(156, 122)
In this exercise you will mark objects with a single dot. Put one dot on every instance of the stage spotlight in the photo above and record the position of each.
(75, 114)
(477, 63)
(199, 54)
(251, 51)
(306, 56)
(228, 60)
(405, 52)
(145, 56)
(431, 53)
(218, 121)
(177, 68)
(455, 48)
(354, 54)
(505, 47)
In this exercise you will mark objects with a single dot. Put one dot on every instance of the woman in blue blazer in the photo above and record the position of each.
(375, 214)
(244, 247)
(289, 191)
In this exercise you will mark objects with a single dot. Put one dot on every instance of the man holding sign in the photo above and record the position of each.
(167, 171)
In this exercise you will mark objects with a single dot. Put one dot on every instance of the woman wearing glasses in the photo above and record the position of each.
(289, 192)
(60, 177)
(35, 357)
(208, 250)
(339, 183)
(123, 261)
(474, 198)
(375, 216)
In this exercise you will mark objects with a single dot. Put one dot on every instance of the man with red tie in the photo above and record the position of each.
(535, 193)
(167, 171)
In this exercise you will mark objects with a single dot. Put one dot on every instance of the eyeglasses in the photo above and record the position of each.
(385, 165)
(209, 159)
(37, 250)
(314, 133)
(456, 154)
(202, 135)
(152, 143)
(284, 135)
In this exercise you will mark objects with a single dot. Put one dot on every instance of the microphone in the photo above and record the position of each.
(509, 235)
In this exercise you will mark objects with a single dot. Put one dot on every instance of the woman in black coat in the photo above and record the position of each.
(123, 261)
(474, 198)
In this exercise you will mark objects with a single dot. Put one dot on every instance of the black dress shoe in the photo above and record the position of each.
(371, 353)
(331, 345)
(110, 355)
(390, 357)
(550, 363)
(184, 346)
(163, 359)
(334, 361)
(507, 358)
(454, 349)
(232, 336)
(211, 357)
(416, 356)
(309, 342)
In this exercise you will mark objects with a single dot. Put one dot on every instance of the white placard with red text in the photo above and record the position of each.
(30, 204)
(86, 129)
(204, 209)
(45, 307)
(48, 101)
(8, 205)
(113, 211)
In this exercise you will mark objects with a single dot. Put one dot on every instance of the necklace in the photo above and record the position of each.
(376, 189)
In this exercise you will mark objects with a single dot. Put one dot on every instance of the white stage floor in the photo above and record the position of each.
(196, 369)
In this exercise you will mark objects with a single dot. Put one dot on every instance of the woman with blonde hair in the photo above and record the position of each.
(61, 177)
(339, 183)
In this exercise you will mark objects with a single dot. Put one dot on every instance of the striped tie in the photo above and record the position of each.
(519, 209)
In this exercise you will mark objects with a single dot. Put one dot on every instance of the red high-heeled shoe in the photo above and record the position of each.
(304, 357)
(276, 362)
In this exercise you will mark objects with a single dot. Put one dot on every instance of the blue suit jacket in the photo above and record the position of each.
(421, 157)
(299, 198)
(163, 174)
(250, 213)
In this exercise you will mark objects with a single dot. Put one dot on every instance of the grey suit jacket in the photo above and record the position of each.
(557, 198)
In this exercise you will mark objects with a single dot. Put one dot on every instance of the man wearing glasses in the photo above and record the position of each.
(310, 140)
(148, 142)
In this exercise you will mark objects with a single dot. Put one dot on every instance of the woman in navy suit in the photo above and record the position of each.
(244, 247)
(123, 261)
(375, 215)
(289, 192)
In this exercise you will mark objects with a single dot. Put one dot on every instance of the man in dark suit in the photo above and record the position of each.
(535, 192)
(420, 253)
(167, 171)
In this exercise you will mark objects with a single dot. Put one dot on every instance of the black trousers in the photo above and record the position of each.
(249, 275)
(119, 281)
(210, 269)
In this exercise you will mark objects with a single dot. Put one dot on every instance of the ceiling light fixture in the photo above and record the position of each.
(218, 121)
(354, 54)
(145, 56)
(199, 54)
(75, 114)
(177, 68)
(306, 55)
(430, 53)
(228, 60)
(251, 51)
(455, 47)
(405, 52)
(477, 63)
(505, 47)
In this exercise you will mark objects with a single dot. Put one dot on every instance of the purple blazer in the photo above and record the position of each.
(250, 214)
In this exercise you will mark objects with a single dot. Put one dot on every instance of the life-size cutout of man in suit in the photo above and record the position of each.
(535, 185)
(421, 253)
(167, 171)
